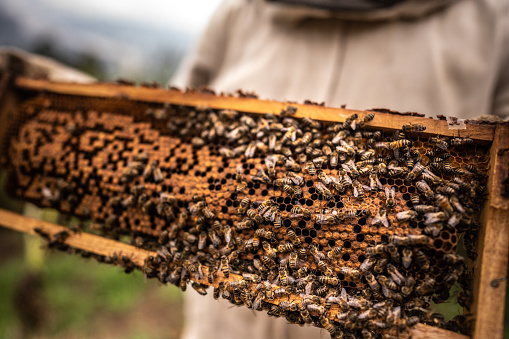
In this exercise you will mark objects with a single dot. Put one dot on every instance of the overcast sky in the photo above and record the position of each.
(191, 15)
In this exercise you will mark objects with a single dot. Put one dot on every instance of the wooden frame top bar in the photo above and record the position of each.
(391, 121)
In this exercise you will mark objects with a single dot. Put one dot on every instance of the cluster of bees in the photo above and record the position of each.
(344, 159)
(320, 176)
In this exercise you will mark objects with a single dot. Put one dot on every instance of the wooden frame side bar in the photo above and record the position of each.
(480, 133)
(491, 266)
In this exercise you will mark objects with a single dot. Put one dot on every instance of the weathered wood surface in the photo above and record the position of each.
(480, 133)
(107, 247)
(491, 265)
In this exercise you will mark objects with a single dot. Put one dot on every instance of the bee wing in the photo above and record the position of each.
(385, 221)
(346, 168)
(355, 192)
(387, 192)
(367, 188)
(348, 179)
(396, 153)
(396, 134)
(353, 125)
(379, 184)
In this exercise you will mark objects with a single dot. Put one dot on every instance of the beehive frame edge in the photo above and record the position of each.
(491, 266)
(489, 321)
(481, 133)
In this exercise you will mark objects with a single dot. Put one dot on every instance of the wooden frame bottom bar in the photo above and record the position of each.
(107, 247)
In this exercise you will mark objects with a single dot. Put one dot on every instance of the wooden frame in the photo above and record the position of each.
(490, 267)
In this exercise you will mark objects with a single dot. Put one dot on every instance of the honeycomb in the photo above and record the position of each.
(214, 192)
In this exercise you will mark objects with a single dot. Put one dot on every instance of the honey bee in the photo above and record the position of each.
(396, 276)
(413, 128)
(296, 179)
(393, 252)
(241, 187)
(210, 278)
(304, 313)
(321, 189)
(438, 142)
(289, 190)
(244, 205)
(226, 152)
(137, 190)
(374, 182)
(292, 165)
(334, 253)
(406, 259)
(367, 264)
(198, 207)
(461, 141)
(207, 213)
(414, 239)
(377, 249)
(319, 162)
(425, 209)
(202, 240)
(456, 204)
(269, 251)
(340, 136)
(327, 325)
(298, 209)
(333, 281)
(390, 197)
(214, 239)
(406, 215)
(322, 266)
(380, 218)
(284, 248)
(387, 282)
(261, 176)
(324, 178)
(245, 224)
(253, 214)
(369, 117)
(424, 187)
(283, 276)
(358, 190)
(333, 159)
(264, 206)
(148, 172)
(415, 172)
(294, 238)
(167, 198)
(394, 170)
(435, 217)
(310, 168)
(400, 144)
(277, 221)
(225, 268)
(373, 284)
(426, 287)
(422, 260)
(325, 219)
(454, 259)
(302, 157)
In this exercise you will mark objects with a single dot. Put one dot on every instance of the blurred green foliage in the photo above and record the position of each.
(83, 298)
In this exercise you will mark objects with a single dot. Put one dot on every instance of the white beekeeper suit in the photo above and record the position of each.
(447, 57)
